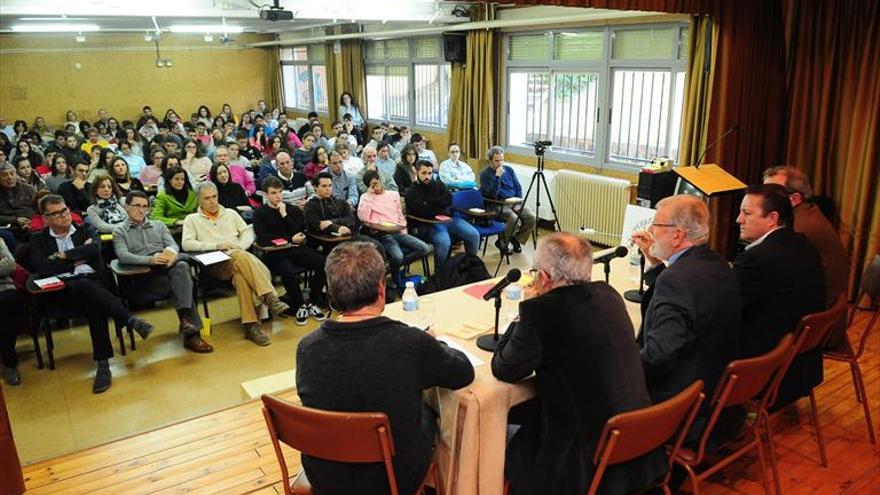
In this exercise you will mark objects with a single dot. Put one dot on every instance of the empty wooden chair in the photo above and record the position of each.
(844, 352)
(334, 436)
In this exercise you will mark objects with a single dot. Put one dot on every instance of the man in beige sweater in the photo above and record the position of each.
(215, 228)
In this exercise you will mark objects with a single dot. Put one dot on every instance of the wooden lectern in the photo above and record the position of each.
(710, 179)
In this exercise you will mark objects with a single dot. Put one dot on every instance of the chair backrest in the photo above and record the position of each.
(813, 328)
(467, 198)
(334, 436)
(743, 380)
(355, 437)
(632, 434)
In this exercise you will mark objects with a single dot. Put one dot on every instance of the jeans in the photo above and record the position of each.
(396, 244)
(440, 238)
(8, 237)
(287, 264)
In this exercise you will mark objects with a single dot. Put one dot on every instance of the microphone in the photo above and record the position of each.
(618, 252)
(512, 276)
(713, 143)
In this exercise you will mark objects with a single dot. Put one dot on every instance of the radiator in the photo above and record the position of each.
(592, 201)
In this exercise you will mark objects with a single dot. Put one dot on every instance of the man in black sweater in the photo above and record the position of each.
(369, 363)
(276, 223)
(328, 215)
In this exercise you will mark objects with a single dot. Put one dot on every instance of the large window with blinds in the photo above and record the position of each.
(407, 82)
(610, 96)
(304, 77)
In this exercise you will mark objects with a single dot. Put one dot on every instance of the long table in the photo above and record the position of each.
(474, 418)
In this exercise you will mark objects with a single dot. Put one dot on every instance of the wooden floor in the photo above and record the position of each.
(229, 452)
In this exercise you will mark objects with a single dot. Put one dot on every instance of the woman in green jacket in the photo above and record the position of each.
(177, 200)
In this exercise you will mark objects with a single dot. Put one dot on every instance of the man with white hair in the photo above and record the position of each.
(215, 228)
(691, 322)
(577, 338)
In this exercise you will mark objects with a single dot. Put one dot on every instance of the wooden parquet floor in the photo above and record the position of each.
(228, 452)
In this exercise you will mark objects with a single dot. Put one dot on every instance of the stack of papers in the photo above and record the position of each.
(48, 283)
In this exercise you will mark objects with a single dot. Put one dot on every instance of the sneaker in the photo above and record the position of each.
(253, 333)
(11, 376)
(302, 315)
(141, 326)
(103, 378)
(317, 313)
(276, 306)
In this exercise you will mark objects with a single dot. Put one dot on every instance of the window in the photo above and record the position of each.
(604, 97)
(304, 77)
(408, 82)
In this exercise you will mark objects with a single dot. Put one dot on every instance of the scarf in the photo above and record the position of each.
(180, 195)
(111, 212)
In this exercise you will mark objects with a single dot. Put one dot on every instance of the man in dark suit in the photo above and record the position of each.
(690, 328)
(62, 248)
(577, 337)
(780, 274)
(809, 221)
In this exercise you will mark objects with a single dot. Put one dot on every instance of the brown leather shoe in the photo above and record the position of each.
(197, 345)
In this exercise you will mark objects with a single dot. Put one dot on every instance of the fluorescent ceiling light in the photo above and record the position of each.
(54, 28)
(205, 28)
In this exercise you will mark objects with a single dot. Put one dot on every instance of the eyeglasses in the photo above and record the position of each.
(58, 213)
(655, 225)
(142, 207)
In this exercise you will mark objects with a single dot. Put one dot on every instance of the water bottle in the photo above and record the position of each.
(410, 298)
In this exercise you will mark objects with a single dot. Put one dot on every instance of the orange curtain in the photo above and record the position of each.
(834, 113)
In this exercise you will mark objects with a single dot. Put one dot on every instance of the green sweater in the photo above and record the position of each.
(168, 210)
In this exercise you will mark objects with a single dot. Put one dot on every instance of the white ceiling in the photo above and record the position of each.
(136, 15)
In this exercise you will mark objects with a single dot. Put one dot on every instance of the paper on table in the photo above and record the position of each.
(212, 257)
(469, 330)
(475, 361)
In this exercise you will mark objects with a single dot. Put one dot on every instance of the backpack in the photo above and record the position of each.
(461, 269)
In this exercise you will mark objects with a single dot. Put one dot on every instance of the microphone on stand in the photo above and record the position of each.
(512, 276)
(489, 341)
(713, 143)
(606, 257)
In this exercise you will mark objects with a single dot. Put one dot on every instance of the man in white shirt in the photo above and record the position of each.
(456, 173)
(378, 136)
(424, 153)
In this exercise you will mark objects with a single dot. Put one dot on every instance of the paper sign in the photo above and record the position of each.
(637, 218)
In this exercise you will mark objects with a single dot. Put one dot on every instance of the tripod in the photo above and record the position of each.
(537, 179)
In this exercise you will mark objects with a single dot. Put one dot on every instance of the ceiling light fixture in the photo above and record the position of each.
(55, 28)
(205, 28)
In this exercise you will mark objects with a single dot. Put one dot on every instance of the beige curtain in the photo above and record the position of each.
(332, 81)
(472, 100)
(345, 71)
(275, 97)
(700, 77)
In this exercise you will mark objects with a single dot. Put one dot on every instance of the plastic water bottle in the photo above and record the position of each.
(410, 298)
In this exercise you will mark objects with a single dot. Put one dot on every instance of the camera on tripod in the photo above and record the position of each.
(540, 147)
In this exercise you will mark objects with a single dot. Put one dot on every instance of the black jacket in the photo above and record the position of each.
(268, 224)
(376, 365)
(427, 201)
(77, 200)
(43, 245)
(579, 342)
(690, 329)
(336, 210)
(781, 280)
(231, 195)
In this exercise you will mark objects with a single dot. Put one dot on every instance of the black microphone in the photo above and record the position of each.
(713, 143)
(512, 276)
(619, 252)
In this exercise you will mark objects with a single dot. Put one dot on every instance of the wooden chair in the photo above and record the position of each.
(845, 353)
(635, 433)
(334, 436)
(810, 334)
(742, 381)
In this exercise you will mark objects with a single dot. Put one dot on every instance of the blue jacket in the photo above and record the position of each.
(506, 186)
